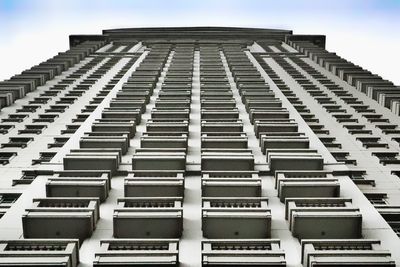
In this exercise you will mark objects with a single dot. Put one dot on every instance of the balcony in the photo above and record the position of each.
(61, 218)
(227, 160)
(348, 252)
(93, 159)
(290, 159)
(303, 184)
(323, 218)
(242, 252)
(153, 184)
(79, 184)
(236, 218)
(151, 217)
(159, 159)
(39, 252)
(230, 184)
(137, 252)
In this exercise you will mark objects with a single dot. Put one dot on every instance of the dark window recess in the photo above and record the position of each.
(49, 93)
(371, 141)
(58, 142)
(70, 129)
(66, 100)
(39, 100)
(343, 157)
(28, 108)
(67, 81)
(4, 128)
(392, 217)
(75, 93)
(32, 129)
(80, 118)
(44, 157)
(89, 108)
(377, 198)
(5, 157)
(28, 176)
(396, 172)
(396, 227)
(7, 199)
(358, 177)
(21, 142)
(15, 118)
(56, 109)
(45, 118)
(387, 157)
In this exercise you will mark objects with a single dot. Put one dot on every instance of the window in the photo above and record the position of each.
(33, 129)
(21, 142)
(44, 157)
(7, 199)
(377, 198)
(4, 128)
(39, 252)
(5, 157)
(155, 252)
(233, 252)
(15, 118)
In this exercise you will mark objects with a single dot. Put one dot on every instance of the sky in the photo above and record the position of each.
(366, 32)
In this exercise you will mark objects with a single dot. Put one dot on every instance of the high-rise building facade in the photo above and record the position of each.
(199, 146)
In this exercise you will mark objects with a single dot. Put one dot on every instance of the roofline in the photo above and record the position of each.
(183, 34)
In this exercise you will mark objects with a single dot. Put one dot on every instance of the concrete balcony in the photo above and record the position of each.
(159, 159)
(221, 126)
(268, 127)
(268, 142)
(323, 218)
(151, 217)
(242, 252)
(61, 218)
(230, 184)
(39, 252)
(227, 160)
(161, 141)
(153, 184)
(129, 127)
(165, 126)
(137, 252)
(224, 141)
(79, 184)
(290, 159)
(300, 184)
(93, 159)
(236, 218)
(105, 142)
(348, 252)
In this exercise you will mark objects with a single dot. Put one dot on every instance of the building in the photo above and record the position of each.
(200, 146)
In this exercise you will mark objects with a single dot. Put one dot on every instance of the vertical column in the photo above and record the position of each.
(234, 215)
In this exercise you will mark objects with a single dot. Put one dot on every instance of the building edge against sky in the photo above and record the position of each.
(199, 146)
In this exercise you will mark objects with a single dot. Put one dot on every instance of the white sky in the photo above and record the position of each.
(365, 32)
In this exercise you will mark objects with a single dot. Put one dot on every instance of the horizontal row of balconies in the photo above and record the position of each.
(214, 252)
